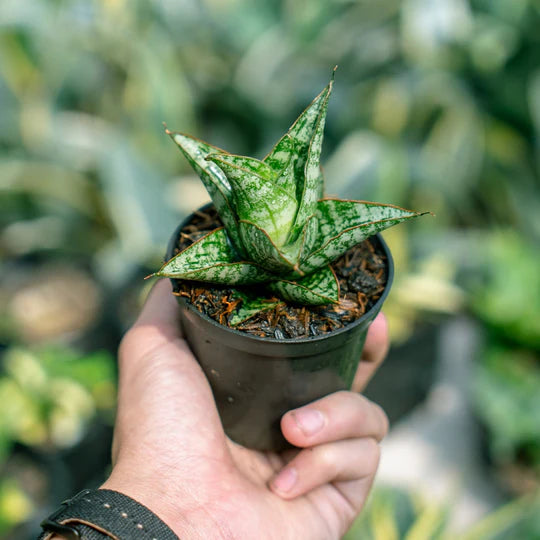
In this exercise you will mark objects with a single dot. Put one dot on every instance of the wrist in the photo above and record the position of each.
(174, 505)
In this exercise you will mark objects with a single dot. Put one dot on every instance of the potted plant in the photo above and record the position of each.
(259, 274)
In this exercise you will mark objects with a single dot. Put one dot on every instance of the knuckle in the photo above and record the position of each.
(385, 422)
(372, 454)
(327, 461)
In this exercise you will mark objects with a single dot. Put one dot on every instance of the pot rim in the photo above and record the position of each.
(368, 315)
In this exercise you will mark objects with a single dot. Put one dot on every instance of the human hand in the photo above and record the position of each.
(170, 452)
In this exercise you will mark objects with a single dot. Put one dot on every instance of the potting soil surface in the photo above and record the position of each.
(361, 273)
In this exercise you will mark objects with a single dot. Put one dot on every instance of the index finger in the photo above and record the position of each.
(373, 354)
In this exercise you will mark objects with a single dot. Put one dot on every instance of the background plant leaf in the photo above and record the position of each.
(212, 259)
(320, 287)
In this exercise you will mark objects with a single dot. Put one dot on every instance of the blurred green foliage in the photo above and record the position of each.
(506, 390)
(436, 106)
(507, 297)
(49, 395)
(506, 381)
(393, 514)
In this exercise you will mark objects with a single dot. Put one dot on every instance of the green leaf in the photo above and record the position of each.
(298, 249)
(263, 251)
(250, 304)
(242, 163)
(311, 186)
(212, 259)
(343, 224)
(213, 178)
(257, 199)
(286, 179)
(302, 131)
(321, 287)
(281, 154)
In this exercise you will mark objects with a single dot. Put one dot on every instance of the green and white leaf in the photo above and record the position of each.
(251, 304)
(264, 252)
(259, 200)
(343, 224)
(308, 191)
(286, 179)
(212, 259)
(320, 287)
(281, 154)
(213, 178)
(242, 163)
(302, 130)
(310, 233)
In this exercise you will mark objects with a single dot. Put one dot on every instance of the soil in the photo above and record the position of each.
(361, 273)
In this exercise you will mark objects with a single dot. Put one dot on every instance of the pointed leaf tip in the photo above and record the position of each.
(212, 259)
(344, 224)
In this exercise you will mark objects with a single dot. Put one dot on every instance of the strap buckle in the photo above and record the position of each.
(50, 525)
(65, 530)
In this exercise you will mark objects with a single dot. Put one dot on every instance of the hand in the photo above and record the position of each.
(170, 452)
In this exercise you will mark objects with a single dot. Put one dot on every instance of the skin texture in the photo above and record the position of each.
(170, 452)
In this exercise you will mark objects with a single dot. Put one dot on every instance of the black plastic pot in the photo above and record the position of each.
(256, 380)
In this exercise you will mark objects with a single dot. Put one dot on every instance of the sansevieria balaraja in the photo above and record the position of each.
(278, 228)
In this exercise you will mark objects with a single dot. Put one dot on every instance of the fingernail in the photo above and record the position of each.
(285, 480)
(308, 420)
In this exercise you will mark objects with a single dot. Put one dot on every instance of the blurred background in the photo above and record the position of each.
(436, 107)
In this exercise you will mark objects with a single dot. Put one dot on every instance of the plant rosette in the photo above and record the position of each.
(277, 243)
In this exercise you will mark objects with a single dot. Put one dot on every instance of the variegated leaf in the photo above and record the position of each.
(320, 287)
(259, 200)
(309, 233)
(286, 179)
(299, 249)
(343, 224)
(213, 178)
(311, 186)
(250, 305)
(301, 132)
(243, 163)
(281, 154)
(212, 259)
(263, 251)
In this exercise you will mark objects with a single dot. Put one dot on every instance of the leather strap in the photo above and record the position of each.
(102, 514)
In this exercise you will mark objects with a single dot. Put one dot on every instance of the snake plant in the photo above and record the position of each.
(278, 230)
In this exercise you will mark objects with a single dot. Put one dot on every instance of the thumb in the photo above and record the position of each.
(154, 343)
(160, 308)
(157, 324)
